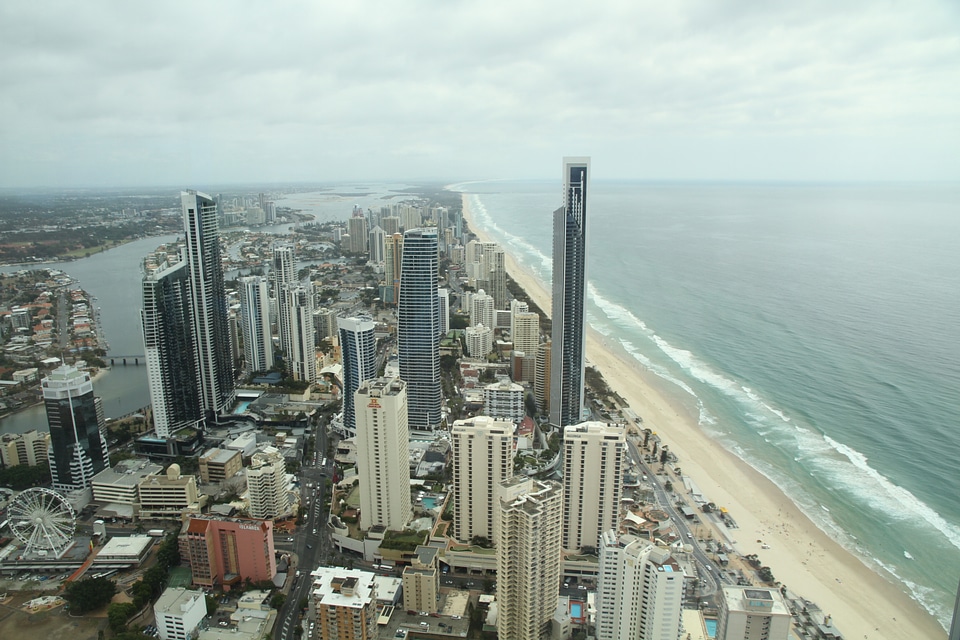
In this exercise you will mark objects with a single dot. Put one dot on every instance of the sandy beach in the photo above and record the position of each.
(863, 604)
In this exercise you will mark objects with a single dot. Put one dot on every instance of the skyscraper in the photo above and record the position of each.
(528, 574)
(418, 328)
(444, 295)
(376, 244)
(634, 572)
(393, 256)
(169, 344)
(209, 302)
(359, 347)
(78, 449)
(383, 456)
(255, 323)
(284, 274)
(482, 459)
(592, 482)
(300, 347)
(358, 230)
(569, 295)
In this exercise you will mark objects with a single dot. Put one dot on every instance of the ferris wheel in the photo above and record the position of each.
(43, 520)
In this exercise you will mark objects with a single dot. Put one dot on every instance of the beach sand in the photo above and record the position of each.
(801, 556)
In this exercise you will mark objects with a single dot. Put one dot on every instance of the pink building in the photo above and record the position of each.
(224, 552)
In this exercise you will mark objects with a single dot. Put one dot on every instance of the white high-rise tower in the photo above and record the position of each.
(482, 459)
(255, 323)
(592, 482)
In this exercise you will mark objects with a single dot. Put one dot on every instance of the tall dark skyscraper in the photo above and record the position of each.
(569, 295)
(78, 448)
(209, 303)
(418, 328)
(168, 343)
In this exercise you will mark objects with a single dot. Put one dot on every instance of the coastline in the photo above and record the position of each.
(801, 556)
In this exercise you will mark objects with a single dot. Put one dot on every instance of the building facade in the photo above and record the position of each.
(167, 495)
(29, 448)
(383, 453)
(267, 485)
(753, 613)
(639, 590)
(569, 295)
(169, 345)
(358, 346)
(345, 602)
(208, 303)
(592, 482)
(217, 465)
(528, 576)
(418, 329)
(178, 612)
(224, 552)
(300, 347)
(78, 446)
(255, 323)
(482, 459)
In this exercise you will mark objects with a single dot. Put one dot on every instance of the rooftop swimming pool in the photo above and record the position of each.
(242, 407)
(576, 610)
(711, 624)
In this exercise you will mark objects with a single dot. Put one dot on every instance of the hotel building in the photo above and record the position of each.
(504, 400)
(29, 448)
(482, 459)
(383, 453)
(224, 552)
(753, 613)
(639, 590)
(592, 482)
(528, 576)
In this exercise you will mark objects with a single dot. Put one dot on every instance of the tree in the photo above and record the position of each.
(276, 602)
(89, 594)
(211, 603)
(118, 613)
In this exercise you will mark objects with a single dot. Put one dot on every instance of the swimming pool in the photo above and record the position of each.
(711, 624)
(576, 610)
(242, 407)
(429, 503)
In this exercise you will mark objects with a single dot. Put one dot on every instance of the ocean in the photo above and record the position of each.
(816, 329)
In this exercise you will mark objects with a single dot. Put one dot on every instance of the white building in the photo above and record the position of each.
(444, 296)
(299, 334)
(267, 485)
(525, 331)
(528, 577)
(504, 400)
(168, 495)
(639, 590)
(255, 323)
(482, 459)
(592, 482)
(479, 341)
(29, 448)
(178, 613)
(119, 485)
(481, 309)
(753, 613)
(380, 406)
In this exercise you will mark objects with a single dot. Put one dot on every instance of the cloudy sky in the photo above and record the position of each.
(193, 93)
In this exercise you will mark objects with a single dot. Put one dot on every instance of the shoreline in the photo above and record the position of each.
(801, 555)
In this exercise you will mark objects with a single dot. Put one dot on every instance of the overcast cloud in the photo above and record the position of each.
(193, 93)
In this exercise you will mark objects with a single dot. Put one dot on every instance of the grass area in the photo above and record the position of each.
(474, 549)
(353, 498)
(406, 540)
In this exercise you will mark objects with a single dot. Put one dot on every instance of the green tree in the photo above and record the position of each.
(277, 600)
(118, 613)
(89, 594)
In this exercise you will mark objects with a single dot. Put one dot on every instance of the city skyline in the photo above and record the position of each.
(690, 91)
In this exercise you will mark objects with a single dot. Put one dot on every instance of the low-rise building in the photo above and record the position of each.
(753, 612)
(116, 488)
(178, 613)
(28, 448)
(169, 495)
(216, 465)
(421, 581)
(123, 552)
(345, 602)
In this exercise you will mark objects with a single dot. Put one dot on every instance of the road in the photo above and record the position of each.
(710, 575)
(310, 545)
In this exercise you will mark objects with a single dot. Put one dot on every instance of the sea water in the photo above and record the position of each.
(816, 329)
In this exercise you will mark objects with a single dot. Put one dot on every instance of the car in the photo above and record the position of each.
(456, 617)
(309, 546)
(424, 625)
(581, 587)
(423, 613)
(566, 585)
(223, 623)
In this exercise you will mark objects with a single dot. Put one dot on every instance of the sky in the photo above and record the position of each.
(193, 93)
